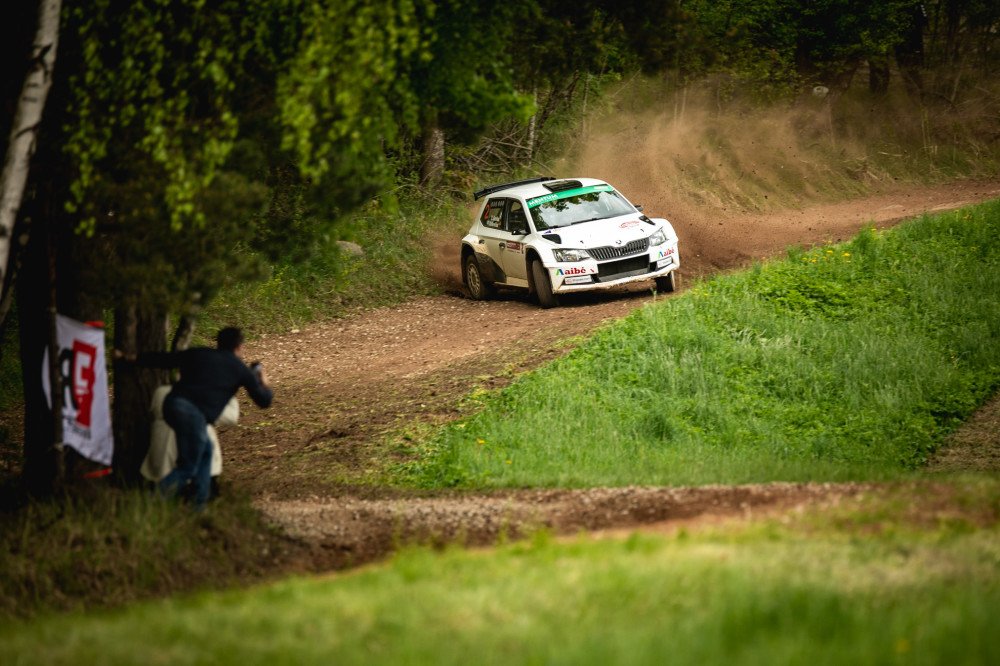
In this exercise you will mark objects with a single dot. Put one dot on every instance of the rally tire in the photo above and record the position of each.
(543, 286)
(479, 289)
(667, 283)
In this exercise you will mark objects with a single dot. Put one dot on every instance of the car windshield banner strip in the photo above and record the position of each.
(538, 201)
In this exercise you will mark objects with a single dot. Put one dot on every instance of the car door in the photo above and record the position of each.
(516, 227)
(504, 247)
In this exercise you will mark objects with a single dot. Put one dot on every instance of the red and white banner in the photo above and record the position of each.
(86, 409)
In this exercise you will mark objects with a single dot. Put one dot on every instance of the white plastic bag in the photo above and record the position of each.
(162, 455)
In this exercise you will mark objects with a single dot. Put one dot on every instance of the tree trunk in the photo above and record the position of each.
(131, 421)
(533, 121)
(27, 118)
(910, 55)
(183, 334)
(878, 76)
(33, 328)
(432, 168)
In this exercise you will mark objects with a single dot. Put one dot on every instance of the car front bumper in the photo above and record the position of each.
(590, 275)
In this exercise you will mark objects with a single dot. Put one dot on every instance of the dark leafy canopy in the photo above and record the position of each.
(153, 92)
(188, 117)
(462, 77)
(344, 97)
(786, 42)
(150, 132)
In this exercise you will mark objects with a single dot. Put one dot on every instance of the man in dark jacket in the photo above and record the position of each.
(209, 378)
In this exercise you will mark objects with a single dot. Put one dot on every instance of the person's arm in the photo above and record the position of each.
(258, 387)
(163, 360)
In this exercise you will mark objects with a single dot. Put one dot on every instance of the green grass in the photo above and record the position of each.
(835, 588)
(842, 362)
(102, 547)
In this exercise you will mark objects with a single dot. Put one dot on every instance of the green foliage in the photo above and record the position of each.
(163, 180)
(844, 361)
(160, 76)
(342, 98)
(773, 45)
(463, 77)
(206, 140)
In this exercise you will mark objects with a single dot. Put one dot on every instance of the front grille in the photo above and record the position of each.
(613, 252)
(613, 270)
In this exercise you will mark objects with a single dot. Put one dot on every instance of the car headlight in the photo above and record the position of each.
(570, 255)
(658, 237)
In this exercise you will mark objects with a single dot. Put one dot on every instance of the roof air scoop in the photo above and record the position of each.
(560, 185)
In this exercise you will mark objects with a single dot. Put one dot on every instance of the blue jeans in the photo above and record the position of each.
(194, 450)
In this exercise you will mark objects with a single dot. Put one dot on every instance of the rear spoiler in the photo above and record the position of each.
(478, 194)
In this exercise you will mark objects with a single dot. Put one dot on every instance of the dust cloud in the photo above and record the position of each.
(737, 185)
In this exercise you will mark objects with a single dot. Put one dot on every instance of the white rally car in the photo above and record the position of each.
(553, 237)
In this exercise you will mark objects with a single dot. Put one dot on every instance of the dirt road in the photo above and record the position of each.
(342, 385)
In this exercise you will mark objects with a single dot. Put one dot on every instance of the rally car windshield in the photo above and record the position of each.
(577, 206)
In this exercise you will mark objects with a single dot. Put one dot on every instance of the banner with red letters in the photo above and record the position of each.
(84, 379)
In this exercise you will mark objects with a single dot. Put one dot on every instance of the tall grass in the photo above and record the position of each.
(826, 591)
(101, 547)
(841, 362)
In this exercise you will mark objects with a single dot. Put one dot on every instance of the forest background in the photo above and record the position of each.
(189, 148)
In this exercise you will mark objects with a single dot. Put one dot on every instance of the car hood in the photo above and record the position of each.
(599, 233)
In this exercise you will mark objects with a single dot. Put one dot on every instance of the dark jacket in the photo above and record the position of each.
(209, 378)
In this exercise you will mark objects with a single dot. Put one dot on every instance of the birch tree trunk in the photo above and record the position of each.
(432, 167)
(532, 124)
(27, 118)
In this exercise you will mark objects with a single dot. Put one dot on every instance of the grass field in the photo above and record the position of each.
(867, 582)
(843, 362)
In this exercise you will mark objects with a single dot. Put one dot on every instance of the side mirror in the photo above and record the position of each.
(639, 208)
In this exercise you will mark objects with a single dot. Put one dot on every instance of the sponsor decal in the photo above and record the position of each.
(630, 224)
(491, 214)
(666, 253)
(83, 379)
(576, 270)
(538, 201)
(515, 247)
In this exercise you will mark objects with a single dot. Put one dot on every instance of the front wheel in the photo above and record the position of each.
(543, 287)
(479, 289)
(667, 283)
